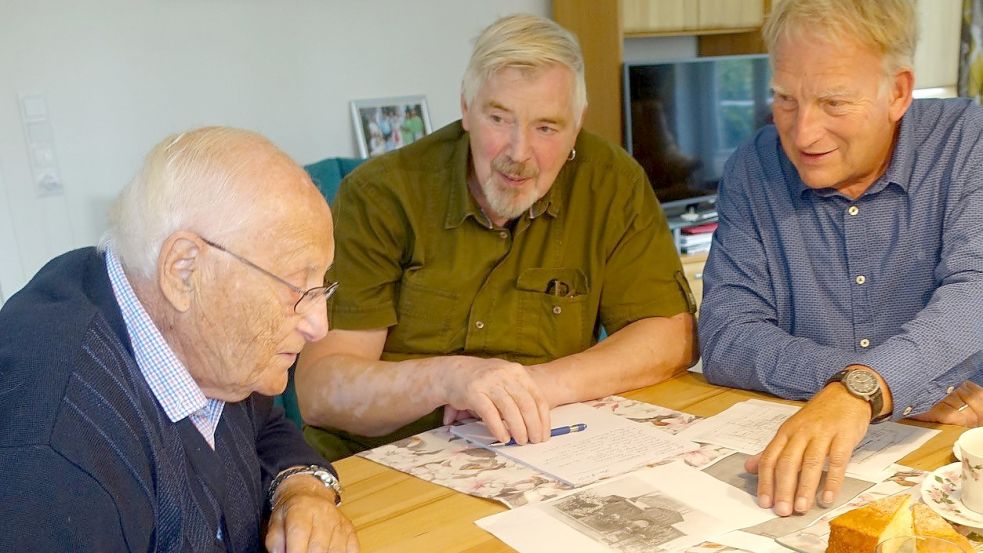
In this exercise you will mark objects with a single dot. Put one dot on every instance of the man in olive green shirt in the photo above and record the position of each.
(477, 265)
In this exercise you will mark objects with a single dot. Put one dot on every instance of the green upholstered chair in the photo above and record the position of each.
(327, 175)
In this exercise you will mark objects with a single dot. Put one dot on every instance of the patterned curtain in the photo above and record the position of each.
(971, 64)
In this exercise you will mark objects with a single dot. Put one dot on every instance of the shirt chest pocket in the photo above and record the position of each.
(429, 320)
(553, 318)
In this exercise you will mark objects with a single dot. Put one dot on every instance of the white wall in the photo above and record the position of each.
(119, 75)
(937, 54)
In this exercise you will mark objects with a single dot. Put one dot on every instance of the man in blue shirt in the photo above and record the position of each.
(848, 265)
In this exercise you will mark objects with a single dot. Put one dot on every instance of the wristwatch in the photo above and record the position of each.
(863, 383)
(324, 475)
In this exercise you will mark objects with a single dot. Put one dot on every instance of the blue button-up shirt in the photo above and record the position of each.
(167, 377)
(801, 283)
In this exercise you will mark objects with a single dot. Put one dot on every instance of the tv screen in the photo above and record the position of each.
(683, 119)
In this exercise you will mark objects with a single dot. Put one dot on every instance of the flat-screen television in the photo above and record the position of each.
(684, 118)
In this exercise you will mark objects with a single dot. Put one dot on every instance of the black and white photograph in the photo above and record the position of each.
(730, 470)
(386, 124)
(627, 524)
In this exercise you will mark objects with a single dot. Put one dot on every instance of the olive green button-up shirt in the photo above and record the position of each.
(415, 254)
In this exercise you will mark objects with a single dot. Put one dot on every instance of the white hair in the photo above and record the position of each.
(525, 42)
(188, 181)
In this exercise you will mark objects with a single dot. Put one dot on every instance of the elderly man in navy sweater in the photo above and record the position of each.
(135, 378)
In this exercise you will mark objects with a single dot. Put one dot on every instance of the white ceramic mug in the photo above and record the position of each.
(971, 487)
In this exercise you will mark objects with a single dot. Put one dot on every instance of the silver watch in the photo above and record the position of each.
(324, 475)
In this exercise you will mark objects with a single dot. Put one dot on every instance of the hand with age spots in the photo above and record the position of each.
(304, 519)
(500, 393)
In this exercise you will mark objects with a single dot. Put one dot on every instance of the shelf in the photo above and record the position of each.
(690, 32)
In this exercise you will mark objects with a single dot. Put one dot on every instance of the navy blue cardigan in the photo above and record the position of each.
(88, 459)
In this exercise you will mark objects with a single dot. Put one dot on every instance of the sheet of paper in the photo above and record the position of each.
(660, 509)
(742, 541)
(611, 445)
(730, 470)
(746, 427)
(749, 426)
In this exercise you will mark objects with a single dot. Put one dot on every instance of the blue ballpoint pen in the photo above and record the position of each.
(554, 432)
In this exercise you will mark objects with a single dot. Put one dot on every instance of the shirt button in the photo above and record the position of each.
(950, 389)
(557, 310)
(853, 210)
(503, 235)
(864, 343)
(479, 325)
(907, 411)
(861, 279)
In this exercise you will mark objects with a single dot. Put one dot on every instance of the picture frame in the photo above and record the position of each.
(385, 124)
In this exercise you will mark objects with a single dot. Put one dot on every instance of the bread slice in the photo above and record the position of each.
(927, 522)
(863, 528)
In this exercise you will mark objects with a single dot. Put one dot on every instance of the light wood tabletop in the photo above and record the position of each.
(395, 512)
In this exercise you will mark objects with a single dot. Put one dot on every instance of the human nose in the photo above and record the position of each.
(313, 323)
(519, 146)
(808, 126)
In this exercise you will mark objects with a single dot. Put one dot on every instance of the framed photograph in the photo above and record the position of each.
(384, 124)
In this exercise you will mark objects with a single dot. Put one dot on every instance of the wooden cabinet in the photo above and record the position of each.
(693, 269)
(648, 17)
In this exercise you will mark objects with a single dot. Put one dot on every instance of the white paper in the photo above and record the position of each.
(731, 471)
(749, 426)
(884, 445)
(611, 445)
(750, 542)
(660, 509)
(746, 427)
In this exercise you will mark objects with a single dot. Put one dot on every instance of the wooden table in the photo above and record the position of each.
(395, 512)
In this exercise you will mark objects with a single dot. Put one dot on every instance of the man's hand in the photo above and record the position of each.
(500, 393)
(964, 406)
(789, 470)
(305, 519)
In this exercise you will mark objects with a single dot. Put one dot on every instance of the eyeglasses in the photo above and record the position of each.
(308, 298)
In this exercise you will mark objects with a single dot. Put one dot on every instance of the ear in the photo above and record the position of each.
(177, 262)
(901, 91)
(464, 114)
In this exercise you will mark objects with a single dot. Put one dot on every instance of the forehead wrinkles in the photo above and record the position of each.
(521, 91)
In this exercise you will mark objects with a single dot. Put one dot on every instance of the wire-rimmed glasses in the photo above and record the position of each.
(308, 298)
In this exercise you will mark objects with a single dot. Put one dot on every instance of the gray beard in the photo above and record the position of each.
(508, 203)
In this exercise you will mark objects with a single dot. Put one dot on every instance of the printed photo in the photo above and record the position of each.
(385, 124)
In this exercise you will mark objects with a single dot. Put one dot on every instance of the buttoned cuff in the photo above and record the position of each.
(904, 371)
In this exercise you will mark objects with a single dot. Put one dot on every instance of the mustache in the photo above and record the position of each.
(513, 168)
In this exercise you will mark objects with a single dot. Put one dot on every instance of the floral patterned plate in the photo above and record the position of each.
(940, 491)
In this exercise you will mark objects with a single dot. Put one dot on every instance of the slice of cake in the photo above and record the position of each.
(863, 528)
(927, 522)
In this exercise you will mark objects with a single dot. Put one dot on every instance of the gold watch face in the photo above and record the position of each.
(861, 383)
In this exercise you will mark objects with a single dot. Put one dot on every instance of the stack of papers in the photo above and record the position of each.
(610, 445)
(665, 508)
(674, 507)
(749, 426)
